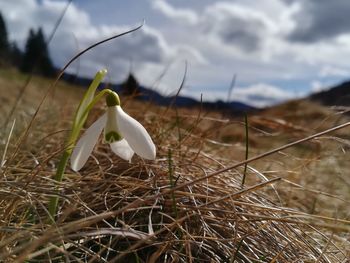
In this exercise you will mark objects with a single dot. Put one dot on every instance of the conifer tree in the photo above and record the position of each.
(130, 86)
(36, 57)
(4, 43)
(30, 53)
(15, 55)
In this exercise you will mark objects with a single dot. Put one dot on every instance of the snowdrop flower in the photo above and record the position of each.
(124, 134)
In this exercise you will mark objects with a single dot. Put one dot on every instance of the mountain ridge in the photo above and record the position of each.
(131, 87)
(338, 95)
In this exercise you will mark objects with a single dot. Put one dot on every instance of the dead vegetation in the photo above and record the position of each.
(179, 208)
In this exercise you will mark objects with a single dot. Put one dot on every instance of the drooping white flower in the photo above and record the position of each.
(124, 134)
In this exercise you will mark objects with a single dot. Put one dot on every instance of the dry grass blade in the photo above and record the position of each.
(3, 159)
(188, 206)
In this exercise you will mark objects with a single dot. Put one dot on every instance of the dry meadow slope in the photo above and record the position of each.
(294, 206)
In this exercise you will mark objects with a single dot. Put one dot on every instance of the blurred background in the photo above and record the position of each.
(276, 49)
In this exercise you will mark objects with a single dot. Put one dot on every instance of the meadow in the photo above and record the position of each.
(188, 205)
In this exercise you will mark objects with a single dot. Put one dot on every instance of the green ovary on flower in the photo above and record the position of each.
(111, 131)
(112, 99)
(112, 136)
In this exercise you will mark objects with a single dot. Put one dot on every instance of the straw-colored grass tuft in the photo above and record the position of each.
(115, 211)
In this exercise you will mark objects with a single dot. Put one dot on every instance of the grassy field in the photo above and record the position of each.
(185, 206)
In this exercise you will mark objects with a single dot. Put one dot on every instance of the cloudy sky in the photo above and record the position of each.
(278, 49)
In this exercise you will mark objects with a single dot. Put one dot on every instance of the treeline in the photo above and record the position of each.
(34, 58)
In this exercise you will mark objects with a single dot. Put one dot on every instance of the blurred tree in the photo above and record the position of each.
(4, 43)
(36, 57)
(130, 85)
(30, 53)
(15, 55)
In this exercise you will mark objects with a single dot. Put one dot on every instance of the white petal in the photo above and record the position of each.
(136, 135)
(122, 149)
(86, 144)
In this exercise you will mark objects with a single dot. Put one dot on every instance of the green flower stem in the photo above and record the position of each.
(89, 95)
(86, 104)
(59, 176)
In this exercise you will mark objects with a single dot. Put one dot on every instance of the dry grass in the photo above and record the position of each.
(293, 207)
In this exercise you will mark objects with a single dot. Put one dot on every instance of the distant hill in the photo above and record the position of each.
(335, 96)
(131, 86)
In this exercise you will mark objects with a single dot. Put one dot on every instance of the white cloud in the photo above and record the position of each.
(181, 15)
(76, 32)
(187, 52)
(261, 94)
(317, 86)
(144, 46)
(218, 38)
(331, 71)
(237, 25)
(257, 95)
(319, 20)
